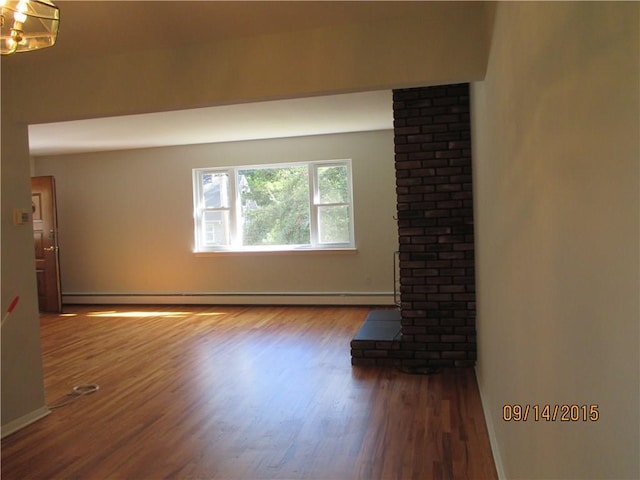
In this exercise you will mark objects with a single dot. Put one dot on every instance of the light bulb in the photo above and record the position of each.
(19, 17)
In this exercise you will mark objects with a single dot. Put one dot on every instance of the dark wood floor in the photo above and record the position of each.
(240, 393)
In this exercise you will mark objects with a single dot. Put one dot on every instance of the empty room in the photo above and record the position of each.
(320, 240)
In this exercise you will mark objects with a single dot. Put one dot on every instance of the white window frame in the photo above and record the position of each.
(235, 220)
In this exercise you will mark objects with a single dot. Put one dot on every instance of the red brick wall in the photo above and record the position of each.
(435, 225)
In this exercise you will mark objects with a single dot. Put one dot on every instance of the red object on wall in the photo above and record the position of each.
(13, 304)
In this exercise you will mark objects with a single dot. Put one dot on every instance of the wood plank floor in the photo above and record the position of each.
(240, 393)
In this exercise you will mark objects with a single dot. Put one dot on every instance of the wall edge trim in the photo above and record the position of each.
(23, 421)
(495, 450)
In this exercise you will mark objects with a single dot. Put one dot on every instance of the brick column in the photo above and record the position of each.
(436, 322)
(435, 225)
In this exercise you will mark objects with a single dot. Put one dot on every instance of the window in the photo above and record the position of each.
(274, 207)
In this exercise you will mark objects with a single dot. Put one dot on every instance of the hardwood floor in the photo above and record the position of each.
(240, 393)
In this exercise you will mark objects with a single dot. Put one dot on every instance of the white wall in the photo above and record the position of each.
(126, 222)
(556, 152)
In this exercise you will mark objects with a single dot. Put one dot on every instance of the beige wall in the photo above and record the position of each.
(20, 360)
(126, 221)
(446, 46)
(556, 125)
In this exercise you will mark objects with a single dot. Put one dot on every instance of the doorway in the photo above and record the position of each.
(45, 236)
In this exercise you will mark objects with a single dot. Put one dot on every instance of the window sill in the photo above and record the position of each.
(301, 251)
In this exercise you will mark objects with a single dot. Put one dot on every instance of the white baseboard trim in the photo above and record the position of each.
(306, 298)
(19, 423)
(495, 450)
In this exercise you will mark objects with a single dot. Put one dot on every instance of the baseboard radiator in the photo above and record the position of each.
(234, 298)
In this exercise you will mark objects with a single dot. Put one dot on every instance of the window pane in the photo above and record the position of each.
(274, 206)
(332, 184)
(333, 224)
(215, 228)
(215, 190)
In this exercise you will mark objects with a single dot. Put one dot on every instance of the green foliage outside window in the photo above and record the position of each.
(275, 206)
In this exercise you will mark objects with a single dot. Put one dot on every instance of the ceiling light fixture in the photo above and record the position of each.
(27, 25)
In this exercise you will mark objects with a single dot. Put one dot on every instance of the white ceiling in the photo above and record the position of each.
(82, 35)
(354, 112)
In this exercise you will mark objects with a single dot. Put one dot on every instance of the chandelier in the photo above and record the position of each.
(27, 25)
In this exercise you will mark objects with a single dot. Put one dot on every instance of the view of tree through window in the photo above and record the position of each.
(275, 206)
(296, 205)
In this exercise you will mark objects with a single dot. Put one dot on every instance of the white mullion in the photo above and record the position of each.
(200, 211)
(197, 210)
(350, 205)
(235, 209)
(314, 198)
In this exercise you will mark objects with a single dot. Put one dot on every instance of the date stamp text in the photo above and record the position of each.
(550, 412)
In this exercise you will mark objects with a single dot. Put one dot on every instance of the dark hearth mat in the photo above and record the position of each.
(380, 325)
